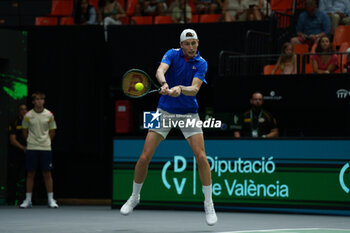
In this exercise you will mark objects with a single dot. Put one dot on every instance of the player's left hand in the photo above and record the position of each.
(175, 91)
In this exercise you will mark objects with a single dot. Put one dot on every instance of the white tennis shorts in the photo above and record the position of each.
(187, 123)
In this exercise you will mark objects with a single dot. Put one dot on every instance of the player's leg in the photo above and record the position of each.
(31, 166)
(151, 143)
(45, 159)
(196, 142)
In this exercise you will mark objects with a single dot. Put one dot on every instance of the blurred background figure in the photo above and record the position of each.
(257, 122)
(312, 25)
(206, 6)
(337, 10)
(177, 14)
(16, 159)
(233, 10)
(110, 12)
(151, 7)
(85, 14)
(287, 62)
(324, 62)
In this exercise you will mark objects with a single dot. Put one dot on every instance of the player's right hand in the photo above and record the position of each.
(164, 89)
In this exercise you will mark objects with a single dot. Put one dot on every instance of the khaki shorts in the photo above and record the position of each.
(185, 122)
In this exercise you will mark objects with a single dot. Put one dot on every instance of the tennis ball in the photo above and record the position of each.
(139, 86)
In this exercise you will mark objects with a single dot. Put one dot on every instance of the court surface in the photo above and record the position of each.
(102, 219)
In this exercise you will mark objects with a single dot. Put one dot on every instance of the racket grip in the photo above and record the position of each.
(169, 91)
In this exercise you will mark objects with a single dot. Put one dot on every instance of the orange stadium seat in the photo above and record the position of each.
(268, 69)
(124, 20)
(209, 18)
(342, 34)
(142, 19)
(195, 19)
(61, 8)
(66, 21)
(301, 48)
(192, 5)
(94, 3)
(130, 7)
(342, 58)
(308, 68)
(281, 5)
(46, 21)
(163, 19)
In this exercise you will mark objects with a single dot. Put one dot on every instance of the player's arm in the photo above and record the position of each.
(52, 133)
(160, 75)
(189, 90)
(15, 143)
(273, 133)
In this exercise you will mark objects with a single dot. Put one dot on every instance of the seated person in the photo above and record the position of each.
(257, 122)
(287, 62)
(110, 12)
(85, 14)
(338, 11)
(178, 12)
(206, 6)
(232, 10)
(312, 24)
(324, 62)
(151, 7)
(256, 9)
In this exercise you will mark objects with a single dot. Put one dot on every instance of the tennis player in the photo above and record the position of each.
(182, 71)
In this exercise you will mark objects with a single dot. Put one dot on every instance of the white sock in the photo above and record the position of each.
(207, 193)
(50, 196)
(29, 196)
(136, 188)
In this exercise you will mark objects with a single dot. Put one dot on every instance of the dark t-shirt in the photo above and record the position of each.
(262, 122)
(16, 128)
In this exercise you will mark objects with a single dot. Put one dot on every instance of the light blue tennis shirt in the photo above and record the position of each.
(182, 72)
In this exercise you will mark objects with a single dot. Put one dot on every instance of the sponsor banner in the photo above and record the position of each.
(261, 179)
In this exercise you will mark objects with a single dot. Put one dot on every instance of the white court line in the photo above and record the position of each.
(290, 229)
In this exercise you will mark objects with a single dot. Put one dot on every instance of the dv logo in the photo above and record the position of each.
(151, 120)
(180, 165)
(341, 178)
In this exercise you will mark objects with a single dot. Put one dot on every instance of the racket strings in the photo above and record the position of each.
(129, 82)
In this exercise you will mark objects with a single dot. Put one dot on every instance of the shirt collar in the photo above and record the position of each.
(196, 58)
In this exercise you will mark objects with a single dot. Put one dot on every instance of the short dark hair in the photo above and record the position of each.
(20, 104)
(38, 95)
(310, 3)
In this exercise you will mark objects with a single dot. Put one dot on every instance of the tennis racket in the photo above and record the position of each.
(133, 76)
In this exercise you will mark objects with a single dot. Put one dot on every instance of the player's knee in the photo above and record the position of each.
(31, 174)
(145, 160)
(201, 158)
(46, 174)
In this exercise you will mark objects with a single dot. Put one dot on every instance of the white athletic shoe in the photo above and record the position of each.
(26, 204)
(52, 204)
(129, 206)
(210, 215)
